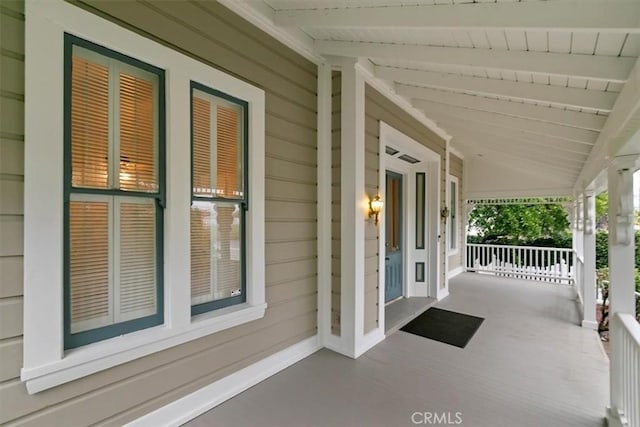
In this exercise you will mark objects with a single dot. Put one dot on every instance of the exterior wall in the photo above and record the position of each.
(455, 169)
(371, 231)
(336, 289)
(378, 108)
(220, 38)
(11, 190)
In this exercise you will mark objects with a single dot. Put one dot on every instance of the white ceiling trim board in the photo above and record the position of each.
(519, 161)
(508, 108)
(525, 152)
(538, 127)
(595, 15)
(572, 97)
(544, 144)
(606, 68)
(453, 125)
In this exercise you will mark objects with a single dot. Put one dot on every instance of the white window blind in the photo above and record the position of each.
(453, 223)
(216, 225)
(89, 264)
(114, 162)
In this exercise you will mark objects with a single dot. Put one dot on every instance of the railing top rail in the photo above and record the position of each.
(631, 325)
(521, 247)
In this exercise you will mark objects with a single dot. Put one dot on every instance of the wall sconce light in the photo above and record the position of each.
(444, 213)
(375, 206)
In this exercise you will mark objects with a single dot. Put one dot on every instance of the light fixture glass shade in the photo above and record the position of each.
(375, 206)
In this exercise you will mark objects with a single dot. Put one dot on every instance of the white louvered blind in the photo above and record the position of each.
(114, 146)
(215, 251)
(89, 265)
(453, 225)
(217, 147)
(216, 235)
(200, 252)
(228, 261)
(228, 147)
(137, 251)
(202, 179)
(138, 162)
(89, 123)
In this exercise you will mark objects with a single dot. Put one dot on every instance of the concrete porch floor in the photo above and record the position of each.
(529, 364)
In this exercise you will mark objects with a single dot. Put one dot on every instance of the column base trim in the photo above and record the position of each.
(590, 324)
(616, 419)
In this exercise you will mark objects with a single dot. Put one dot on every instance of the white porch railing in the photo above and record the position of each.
(553, 265)
(625, 370)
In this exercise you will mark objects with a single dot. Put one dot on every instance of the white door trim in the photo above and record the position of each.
(430, 164)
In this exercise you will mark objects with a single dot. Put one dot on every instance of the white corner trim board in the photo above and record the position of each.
(187, 408)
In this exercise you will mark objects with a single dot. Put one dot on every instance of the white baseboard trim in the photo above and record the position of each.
(455, 272)
(187, 408)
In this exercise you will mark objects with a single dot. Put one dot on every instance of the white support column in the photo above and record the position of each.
(579, 242)
(443, 289)
(589, 262)
(468, 207)
(324, 202)
(621, 235)
(621, 267)
(572, 210)
(353, 208)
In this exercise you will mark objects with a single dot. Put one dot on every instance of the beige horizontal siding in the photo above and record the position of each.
(12, 156)
(11, 190)
(212, 34)
(10, 358)
(10, 276)
(455, 166)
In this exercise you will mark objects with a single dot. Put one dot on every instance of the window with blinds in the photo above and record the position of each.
(219, 199)
(113, 194)
(453, 223)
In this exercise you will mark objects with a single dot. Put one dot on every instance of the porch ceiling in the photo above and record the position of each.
(527, 83)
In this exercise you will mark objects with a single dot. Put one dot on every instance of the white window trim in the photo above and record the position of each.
(46, 364)
(454, 251)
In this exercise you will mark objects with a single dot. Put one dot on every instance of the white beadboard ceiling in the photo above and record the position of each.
(529, 82)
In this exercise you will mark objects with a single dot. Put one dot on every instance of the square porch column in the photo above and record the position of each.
(621, 271)
(588, 273)
(354, 204)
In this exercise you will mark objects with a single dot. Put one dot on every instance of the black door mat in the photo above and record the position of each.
(445, 326)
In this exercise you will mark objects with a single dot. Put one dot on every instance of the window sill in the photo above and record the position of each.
(96, 357)
(453, 252)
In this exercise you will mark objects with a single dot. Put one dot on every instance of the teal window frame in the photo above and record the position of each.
(453, 224)
(243, 202)
(73, 340)
(420, 210)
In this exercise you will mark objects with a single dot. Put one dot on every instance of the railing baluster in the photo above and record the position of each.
(625, 355)
(551, 265)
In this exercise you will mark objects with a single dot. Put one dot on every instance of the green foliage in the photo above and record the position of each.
(533, 225)
(602, 249)
(602, 254)
(602, 207)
